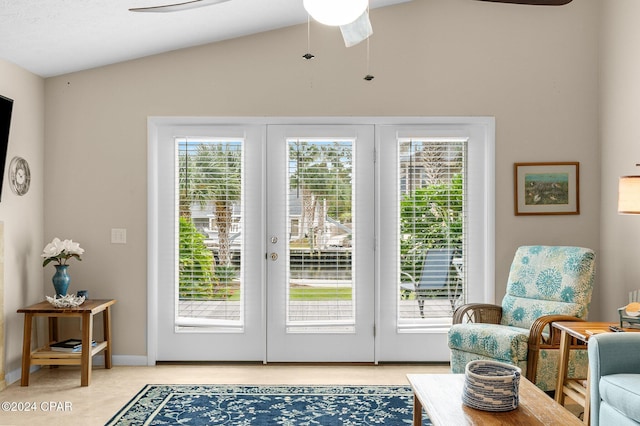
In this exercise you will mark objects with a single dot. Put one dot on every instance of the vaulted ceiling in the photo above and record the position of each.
(53, 37)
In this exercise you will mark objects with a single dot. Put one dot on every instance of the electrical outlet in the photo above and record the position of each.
(118, 236)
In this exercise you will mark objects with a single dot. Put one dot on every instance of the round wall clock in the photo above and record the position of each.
(19, 175)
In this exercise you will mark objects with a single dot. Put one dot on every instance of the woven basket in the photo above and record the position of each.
(491, 386)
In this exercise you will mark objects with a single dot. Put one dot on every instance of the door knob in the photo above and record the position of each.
(274, 256)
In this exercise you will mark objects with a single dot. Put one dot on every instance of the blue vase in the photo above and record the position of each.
(61, 280)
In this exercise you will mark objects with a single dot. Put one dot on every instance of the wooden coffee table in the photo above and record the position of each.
(441, 397)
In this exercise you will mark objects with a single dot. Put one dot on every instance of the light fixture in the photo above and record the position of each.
(629, 194)
(335, 12)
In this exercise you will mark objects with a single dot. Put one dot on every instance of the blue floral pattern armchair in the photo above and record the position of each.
(546, 284)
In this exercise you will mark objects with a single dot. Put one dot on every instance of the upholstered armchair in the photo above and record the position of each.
(545, 284)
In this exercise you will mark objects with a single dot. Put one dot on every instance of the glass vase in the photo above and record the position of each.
(61, 280)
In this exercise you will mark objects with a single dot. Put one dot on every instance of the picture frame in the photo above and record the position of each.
(547, 188)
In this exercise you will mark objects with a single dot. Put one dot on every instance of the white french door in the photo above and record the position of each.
(210, 239)
(434, 194)
(320, 291)
(282, 241)
(296, 250)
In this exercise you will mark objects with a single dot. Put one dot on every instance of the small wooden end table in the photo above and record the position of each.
(45, 356)
(441, 397)
(580, 330)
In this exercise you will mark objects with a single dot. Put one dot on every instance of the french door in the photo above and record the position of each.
(266, 245)
(320, 280)
(279, 241)
(210, 244)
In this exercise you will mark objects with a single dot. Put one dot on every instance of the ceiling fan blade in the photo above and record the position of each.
(176, 7)
(534, 2)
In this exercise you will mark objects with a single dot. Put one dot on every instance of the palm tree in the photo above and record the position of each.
(214, 180)
(190, 189)
(322, 175)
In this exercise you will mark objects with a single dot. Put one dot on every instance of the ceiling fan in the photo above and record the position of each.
(175, 7)
(534, 2)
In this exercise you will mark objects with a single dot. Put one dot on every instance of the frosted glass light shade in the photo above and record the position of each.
(629, 195)
(335, 12)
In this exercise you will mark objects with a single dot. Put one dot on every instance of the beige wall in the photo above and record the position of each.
(620, 146)
(533, 68)
(22, 216)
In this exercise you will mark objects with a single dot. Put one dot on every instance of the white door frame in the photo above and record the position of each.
(154, 124)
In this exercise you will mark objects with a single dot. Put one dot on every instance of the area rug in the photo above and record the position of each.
(268, 405)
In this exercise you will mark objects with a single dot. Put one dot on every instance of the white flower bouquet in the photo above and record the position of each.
(61, 251)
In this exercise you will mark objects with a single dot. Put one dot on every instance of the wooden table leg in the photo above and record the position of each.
(87, 339)
(53, 334)
(26, 350)
(563, 361)
(106, 325)
(417, 411)
(586, 417)
(53, 329)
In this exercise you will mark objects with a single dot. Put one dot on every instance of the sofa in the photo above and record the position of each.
(614, 362)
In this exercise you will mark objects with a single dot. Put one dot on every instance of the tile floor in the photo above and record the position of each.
(55, 397)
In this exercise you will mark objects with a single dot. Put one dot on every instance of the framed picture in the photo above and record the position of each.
(546, 188)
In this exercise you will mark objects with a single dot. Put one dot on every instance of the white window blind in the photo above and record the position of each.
(432, 222)
(320, 294)
(209, 187)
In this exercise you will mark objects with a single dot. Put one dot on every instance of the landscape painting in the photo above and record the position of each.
(546, 188)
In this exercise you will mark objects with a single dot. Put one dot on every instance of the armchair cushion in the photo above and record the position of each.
(548, 280)
(521, 312)
(508, 344)
(622, 392)
(547, 367)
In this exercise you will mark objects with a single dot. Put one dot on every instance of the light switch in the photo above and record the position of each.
(118, 236)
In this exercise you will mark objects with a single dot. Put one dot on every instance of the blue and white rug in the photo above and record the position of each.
(268, 405)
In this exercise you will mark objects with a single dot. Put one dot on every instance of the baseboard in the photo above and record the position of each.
(122, 360)
(14, 375)
(117, 360)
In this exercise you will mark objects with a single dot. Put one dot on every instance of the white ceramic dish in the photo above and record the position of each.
(68, 301)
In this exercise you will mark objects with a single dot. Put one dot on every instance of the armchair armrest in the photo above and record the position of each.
(615, 353)
(542, 335)
(478, 312)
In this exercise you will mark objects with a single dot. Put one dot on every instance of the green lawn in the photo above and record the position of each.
(302, 293)
(320, 293)
(296, 293)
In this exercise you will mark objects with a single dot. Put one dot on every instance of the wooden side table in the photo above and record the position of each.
(45, 356)
(580, 330)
